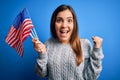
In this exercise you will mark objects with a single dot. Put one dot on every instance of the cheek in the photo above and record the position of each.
(57, 28)
(57, 31)
(71, 28)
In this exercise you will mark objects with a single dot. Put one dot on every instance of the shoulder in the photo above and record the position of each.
(85, 43)
(84, 40)
(86, 47)
(50, 41)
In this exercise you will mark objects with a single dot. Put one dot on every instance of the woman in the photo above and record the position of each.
(65, 56)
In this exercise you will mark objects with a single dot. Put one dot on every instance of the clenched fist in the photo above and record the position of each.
(97, 41)
(39, 46)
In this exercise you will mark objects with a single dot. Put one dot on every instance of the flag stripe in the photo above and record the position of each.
(11, 33)
(15, 37)
(25, 35)
(19, 31)
(19, 48)
(11, 38)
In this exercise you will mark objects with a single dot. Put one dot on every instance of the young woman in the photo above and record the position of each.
(66, 56)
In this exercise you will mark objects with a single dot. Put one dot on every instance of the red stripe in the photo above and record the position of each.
(27, 25)
(10, 34)
(11, 37)
(19, 48)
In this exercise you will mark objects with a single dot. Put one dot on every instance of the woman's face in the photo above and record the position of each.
(64, 26)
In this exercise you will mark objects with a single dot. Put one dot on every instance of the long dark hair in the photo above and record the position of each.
(75, 40)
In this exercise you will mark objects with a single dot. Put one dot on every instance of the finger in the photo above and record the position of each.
(93, 38)
(40, 50)
(34, 40)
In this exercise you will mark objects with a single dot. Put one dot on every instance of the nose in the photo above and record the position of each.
(64, 24)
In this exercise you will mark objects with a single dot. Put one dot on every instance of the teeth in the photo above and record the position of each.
(64, 31)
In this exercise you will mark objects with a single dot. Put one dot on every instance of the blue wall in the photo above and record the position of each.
(95, 17)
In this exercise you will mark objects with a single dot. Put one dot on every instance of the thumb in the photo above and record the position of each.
(93, 38)
(35, 40)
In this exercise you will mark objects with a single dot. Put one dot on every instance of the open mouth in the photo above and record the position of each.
(64, 32)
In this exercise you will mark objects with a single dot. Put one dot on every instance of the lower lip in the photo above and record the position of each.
(63, 34)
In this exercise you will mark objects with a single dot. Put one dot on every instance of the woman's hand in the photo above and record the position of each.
(97, 41)
(38, 46)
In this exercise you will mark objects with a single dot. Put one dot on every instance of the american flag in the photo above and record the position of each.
(19, 31)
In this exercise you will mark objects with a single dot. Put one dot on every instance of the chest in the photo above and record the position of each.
(62, 59)
(61, 55)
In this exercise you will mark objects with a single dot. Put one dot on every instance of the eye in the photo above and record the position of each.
(59, 20)
(70, 20)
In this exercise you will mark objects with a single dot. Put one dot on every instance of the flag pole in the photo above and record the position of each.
(33, 33)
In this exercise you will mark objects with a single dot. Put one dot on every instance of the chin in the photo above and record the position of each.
(64, 40)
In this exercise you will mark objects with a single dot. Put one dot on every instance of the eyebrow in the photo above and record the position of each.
(67, 17)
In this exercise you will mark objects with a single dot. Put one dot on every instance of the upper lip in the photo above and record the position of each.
(64, 30)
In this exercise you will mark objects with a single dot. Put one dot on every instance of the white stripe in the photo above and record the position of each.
(19, 48)
(11, 31)
(10, 37)
(13, 41)
(27, 22)
(27, 27)
(26, 35)
(10, 34)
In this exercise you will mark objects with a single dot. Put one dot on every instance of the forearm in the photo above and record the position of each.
(93, 66)
(41, 68)
(97, 54)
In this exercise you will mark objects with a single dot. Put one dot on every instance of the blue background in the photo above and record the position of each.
(95, 17)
